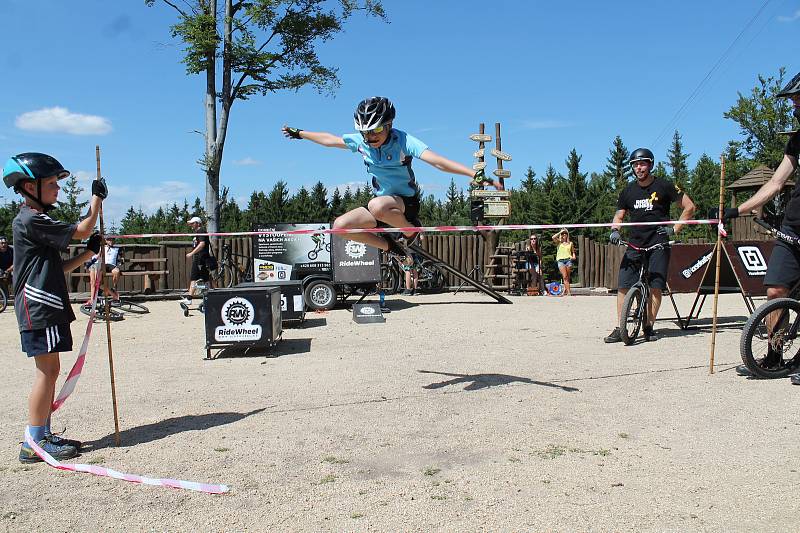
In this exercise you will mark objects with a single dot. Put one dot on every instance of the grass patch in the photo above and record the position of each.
(330, 478)
(623, 435)
(330, 459)
(430, 471)
(356, 516)
(553, 451)
(221, 450)
(438, 497)
(96, 460)
(514, 460)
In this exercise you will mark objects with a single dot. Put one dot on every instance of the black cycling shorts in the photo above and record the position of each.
(199, 271)
(631, 261)
(783, 269)
(411, 204)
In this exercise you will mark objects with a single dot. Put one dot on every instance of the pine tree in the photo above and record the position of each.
(337, 204)
(301, 207)
(70, 210)
(319, 201)
(617, 168)
(677, 162)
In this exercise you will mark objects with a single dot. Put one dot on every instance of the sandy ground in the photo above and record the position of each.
(457, 414)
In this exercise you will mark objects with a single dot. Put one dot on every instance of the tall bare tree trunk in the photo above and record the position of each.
(212, 159)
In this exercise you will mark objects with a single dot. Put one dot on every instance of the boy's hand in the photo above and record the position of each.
(291, 133)
(94, 242)
(480, 178)
(100, 189)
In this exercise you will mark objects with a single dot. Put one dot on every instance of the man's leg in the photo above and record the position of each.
(391, 210)
(360, 217)
(114, 281)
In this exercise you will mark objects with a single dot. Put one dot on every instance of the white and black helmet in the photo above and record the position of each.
(792, 88)
(373, 112)
(642, 154)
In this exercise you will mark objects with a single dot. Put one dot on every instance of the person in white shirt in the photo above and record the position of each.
(112, 256)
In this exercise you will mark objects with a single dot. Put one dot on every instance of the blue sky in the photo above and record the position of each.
(556, 75)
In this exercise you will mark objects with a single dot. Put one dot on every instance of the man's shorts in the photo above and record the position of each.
(51, 339)
(631, 261)
(411, 207)
(199, 271)
(783, 269)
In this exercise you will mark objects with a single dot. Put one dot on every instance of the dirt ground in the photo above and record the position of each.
(457, 414)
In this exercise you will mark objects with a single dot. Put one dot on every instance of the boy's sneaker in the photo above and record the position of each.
(649, 335)
(408, 292)
(394, 246)
(58, 452)
(614, 336)
(61, 441)
(185, 301)
(795, 379)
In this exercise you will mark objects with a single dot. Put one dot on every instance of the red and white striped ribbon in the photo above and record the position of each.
(133, 478)
(416, 229)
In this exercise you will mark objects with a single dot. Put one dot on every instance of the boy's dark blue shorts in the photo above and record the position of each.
(47, 340)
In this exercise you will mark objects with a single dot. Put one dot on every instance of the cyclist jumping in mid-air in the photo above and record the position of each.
(387, 153)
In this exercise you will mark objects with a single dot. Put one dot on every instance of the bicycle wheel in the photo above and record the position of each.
(3, 299)
(435, 282)
(767, 343)
(127, 306)
(632, 314)
(390, 278)
(100, 314)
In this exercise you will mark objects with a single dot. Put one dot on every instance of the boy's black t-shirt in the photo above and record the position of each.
(41, 298)
(201, 257)
(648, 204)
(792, 215)
(6, 258)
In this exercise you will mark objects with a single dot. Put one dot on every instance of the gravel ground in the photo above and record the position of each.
(457, 414)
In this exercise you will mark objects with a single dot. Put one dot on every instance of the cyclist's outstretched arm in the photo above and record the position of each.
(446, 165)
(688, 211)
(771, 188)
(320, 137)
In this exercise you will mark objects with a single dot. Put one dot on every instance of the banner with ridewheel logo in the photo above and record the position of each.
(245, 315)
(281, 257)
(354, 262)
(237, 317)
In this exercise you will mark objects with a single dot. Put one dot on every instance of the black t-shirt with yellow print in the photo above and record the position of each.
(648, 204)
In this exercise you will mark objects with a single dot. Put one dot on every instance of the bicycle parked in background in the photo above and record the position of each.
(767, 345)
(635, 308)
(229, 271)
(116, 308)
(430, 277)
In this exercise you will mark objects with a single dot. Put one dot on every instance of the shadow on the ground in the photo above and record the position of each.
(483, 381)
(283, 347)
(165, 428)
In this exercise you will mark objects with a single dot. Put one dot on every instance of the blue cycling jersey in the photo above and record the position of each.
(389, 165)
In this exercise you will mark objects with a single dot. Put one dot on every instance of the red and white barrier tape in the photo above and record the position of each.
(67, 389)
(133, 478)
(415, 229)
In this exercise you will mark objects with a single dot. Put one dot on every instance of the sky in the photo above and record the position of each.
(556, 75)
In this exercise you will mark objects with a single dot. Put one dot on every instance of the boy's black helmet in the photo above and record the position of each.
(373, 112)
(641, 154)
(792, 88)
(31, 166)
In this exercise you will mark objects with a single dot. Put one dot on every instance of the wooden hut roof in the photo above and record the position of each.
(756, 178)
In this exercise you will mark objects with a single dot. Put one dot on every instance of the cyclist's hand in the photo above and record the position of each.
(291, 133)
(666, 231)
(727, 214)
(93, 243)
(100, 189)
(480, 178)
(614, 237)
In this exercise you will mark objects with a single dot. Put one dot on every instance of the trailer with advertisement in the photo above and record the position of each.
(329, 268)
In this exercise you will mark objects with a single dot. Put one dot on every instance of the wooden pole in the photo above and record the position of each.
(719, 252)
(499, 145)
(102, 273)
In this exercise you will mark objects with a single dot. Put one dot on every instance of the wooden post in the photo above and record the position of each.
(102, 269)
(718, 249)
(499, 145)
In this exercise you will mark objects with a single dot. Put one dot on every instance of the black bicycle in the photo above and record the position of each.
(319, 244)
(229, 271)
(5, 284)
(116, 309)
(767, 344)
(635, 306)
(429, 277)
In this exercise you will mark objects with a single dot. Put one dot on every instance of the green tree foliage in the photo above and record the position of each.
(617, 168)
(70, 209)
(677, 162)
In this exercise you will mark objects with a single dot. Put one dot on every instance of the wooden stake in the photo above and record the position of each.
(499, 145)
(101, 257)
(719, 251)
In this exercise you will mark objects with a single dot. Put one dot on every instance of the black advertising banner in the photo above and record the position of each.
(693, 267)
(285, 257)
(243, 315)
(355, 262)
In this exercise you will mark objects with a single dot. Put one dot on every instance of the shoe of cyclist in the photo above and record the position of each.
(408, 292)
(186, 300)
(394, 246)
(649, 334)
(60, 452)
(614, 336)
(742, 370)
(58, 440)
(413, 239)
(795, 379)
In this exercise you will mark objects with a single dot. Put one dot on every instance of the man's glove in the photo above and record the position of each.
(100, 189)
(292, 133)
(94, 242)
(666, 231)
(615, 237)
(727, 214)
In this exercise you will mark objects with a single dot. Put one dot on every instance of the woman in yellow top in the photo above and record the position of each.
(565, 257)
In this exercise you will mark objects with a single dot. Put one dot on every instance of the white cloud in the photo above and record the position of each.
(247, 162)
(62, 120)
(790, 18)
(544, 124)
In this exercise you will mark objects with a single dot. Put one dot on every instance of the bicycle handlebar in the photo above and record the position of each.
(649, 248)
(778, 234)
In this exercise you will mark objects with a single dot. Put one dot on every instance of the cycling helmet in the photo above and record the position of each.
(373, 112)
(792, 88)
(642, 154)
(32, 166)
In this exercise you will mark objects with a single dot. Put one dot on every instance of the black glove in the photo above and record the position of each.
(100, 189)
(666, 231)
(727, 214)
(94, 242)
(615, 237)
(292, 133)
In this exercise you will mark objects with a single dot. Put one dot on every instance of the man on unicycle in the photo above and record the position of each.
(646, 199)
(387, 153)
